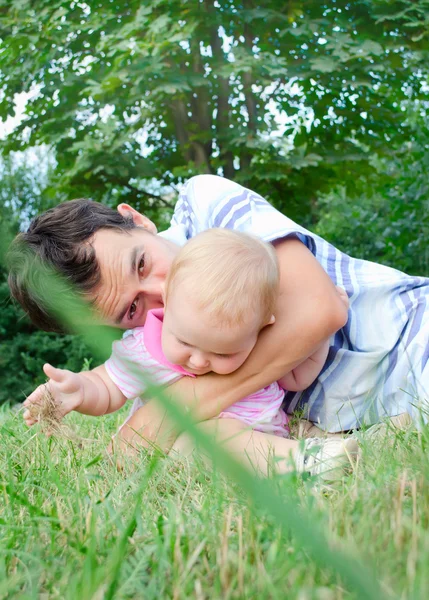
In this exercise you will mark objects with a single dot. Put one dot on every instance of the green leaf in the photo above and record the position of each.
(324, 64)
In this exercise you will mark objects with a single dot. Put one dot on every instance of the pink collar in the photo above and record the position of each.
(152, 339)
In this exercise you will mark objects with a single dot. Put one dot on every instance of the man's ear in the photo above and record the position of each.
(140, 220)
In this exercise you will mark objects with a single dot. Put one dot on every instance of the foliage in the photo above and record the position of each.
(134, 97)
(385, 216)
(23, 350)
(319, 106)
(24, 178)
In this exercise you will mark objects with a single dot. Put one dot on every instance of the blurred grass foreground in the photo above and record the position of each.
(73, 526)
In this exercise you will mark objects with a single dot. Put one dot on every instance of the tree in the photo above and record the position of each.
(135, 96)
(385, 218)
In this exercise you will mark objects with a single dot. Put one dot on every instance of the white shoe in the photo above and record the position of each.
(328, 458)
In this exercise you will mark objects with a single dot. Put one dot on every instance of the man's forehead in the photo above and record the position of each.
(121, 237)
(108, 244)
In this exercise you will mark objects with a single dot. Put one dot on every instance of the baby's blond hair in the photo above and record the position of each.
(231, 275)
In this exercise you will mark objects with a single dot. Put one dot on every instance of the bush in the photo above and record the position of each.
(383, 217)
(24, 350)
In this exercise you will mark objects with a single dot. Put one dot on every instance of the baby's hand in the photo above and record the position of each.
(66, 389)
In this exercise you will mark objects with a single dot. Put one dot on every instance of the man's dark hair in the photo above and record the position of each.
(61, 239)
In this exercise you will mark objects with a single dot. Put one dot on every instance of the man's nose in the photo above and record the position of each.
(152, 289)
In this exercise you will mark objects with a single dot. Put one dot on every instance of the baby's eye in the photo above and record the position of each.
(224, 355)
(184, 344)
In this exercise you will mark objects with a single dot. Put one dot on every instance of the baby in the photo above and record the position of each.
(221, 291)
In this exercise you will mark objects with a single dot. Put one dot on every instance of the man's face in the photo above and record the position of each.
(133, 268)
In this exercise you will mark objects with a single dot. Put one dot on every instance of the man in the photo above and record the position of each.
(119, 262)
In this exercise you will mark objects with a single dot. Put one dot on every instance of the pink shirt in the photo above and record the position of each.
(138, 356)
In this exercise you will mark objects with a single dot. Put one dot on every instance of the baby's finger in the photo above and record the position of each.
(28, 415)
(55, 374)
(36, 396)
(29, 418)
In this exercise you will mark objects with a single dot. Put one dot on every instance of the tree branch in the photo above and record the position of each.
(137, 190)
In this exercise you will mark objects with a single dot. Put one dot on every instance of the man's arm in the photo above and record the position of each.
(304, 374)
(309, 311)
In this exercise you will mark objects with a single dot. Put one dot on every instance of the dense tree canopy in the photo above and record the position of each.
(321, 106)
(135, 96)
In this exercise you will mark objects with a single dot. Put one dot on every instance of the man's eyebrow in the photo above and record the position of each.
(136, 251)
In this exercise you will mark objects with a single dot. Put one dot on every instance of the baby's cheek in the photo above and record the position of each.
(167, 348)
(238, 361)
(175, 353)
(229, 366)
(171, 356)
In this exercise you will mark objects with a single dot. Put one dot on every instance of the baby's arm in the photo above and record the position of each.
(89, 392)
(304, 374)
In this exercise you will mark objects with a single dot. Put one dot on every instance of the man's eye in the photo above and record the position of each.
(141, 265)
(133, 309)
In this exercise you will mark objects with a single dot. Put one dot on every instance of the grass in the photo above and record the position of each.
(73, 526)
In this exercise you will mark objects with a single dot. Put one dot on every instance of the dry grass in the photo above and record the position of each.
(48, 415)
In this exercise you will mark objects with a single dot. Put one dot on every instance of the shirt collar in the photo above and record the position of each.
(176, 234)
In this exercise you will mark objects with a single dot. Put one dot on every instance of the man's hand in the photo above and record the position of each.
(302, 376)
(343, 297)
(66, 388)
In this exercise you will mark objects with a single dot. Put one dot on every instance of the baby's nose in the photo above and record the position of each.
(199, 361)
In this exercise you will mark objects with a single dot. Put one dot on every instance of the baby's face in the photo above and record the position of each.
(190, 340)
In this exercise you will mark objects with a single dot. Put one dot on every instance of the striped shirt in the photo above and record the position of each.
(378, 363)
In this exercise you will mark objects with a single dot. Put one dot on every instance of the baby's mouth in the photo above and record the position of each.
(197, 371)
